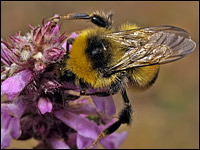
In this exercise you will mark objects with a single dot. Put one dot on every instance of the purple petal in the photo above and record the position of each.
(53, 54)
(45, 105)
(82, 107)
(57, 143)
(83, 126)
(5, 138)
(84, 142)
(13, 109)
(5, 118)
(56, 28)
(4, 57)
(14, 128)
(12, 86)
(114, 140)
(73, 36)
(71, 140)
(105, 105)
(10, 123)
(64, 45)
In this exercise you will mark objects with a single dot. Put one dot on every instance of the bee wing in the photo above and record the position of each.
(152, 45)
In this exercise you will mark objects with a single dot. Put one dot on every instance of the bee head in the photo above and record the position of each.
(90, 55)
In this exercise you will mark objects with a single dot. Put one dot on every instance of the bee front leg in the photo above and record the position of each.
(102, 19)
(99, 18)
(70, 41)
(100, 94)
(83, 87)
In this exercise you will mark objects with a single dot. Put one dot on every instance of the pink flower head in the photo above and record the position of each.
(39, 103)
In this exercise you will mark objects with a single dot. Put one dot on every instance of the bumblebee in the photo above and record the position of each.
(101, 57)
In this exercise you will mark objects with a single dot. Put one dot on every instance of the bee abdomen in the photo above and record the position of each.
(143, 77)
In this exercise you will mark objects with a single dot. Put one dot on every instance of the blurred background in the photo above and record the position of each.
(166, 115)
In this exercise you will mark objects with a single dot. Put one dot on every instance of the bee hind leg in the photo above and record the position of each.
(124, 118)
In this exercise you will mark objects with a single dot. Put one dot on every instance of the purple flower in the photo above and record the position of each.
(38, 106)
(52, 54)
(10, 122)
(12, 86)
(114, 140)
(36, 50)
(105, 106)
(44, 105)
(88, 131)
(58, 143)
(73, 36)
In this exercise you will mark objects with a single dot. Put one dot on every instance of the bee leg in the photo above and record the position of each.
(71, 16)
(100, 94)
(100, 19)
(124, 118)
(63, 99)
(69, 42)
(65, 96)
(71, 97)
(83, 87)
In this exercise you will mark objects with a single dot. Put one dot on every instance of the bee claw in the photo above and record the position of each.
(100, 136)
(54, 19)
